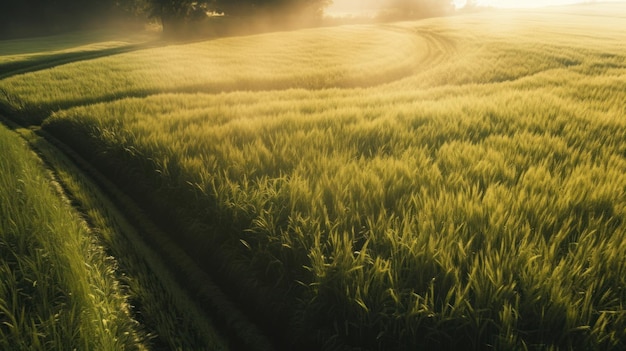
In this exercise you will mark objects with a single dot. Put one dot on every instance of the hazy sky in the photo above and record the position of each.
(359, 6)
(523, 3)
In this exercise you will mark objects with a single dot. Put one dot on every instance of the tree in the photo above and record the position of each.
(176, 15)
(235, 7)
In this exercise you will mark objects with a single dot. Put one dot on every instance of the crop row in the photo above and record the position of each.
(476, 198)
(58, 290)
(398, 219)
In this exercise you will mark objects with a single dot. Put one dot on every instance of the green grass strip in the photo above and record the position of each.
(58, 290)
(160, 276)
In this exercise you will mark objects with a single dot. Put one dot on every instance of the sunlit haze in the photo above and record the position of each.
(523, 3)
(398, 175)
(370, 7)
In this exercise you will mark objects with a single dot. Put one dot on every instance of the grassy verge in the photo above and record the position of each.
(166, 311)
(58, 288)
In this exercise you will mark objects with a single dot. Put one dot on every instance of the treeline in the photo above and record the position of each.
(21, 18)
(177, 16)
(180, 17)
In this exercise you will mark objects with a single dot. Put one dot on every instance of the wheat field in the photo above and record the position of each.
(59, 290)
(457, 183)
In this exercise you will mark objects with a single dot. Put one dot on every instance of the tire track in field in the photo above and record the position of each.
(439, 46)
(47, 61)
(433, 47)
(430, 49)
(141, 234)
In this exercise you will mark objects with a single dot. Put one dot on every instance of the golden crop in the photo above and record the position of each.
(453, 182)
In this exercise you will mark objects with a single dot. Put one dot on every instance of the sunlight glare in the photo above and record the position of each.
(527, 3)
(370, 7)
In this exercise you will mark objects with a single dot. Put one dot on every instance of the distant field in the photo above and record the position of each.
(452, 183)
(24, 55)
(313, 58)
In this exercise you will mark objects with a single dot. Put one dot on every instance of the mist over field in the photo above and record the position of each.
(261, 179)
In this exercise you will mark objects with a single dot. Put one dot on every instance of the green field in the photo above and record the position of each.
(58, 290)
(451, 183)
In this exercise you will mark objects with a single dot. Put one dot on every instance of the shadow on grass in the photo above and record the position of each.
(41, 62)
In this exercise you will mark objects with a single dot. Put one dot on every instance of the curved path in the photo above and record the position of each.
(321, 58)
(141, 242)
(384, 54)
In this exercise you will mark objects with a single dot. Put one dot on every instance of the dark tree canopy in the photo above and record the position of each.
(174, 14)
(181, 18)
(178, 16)
(42, 17)
(315, 7)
